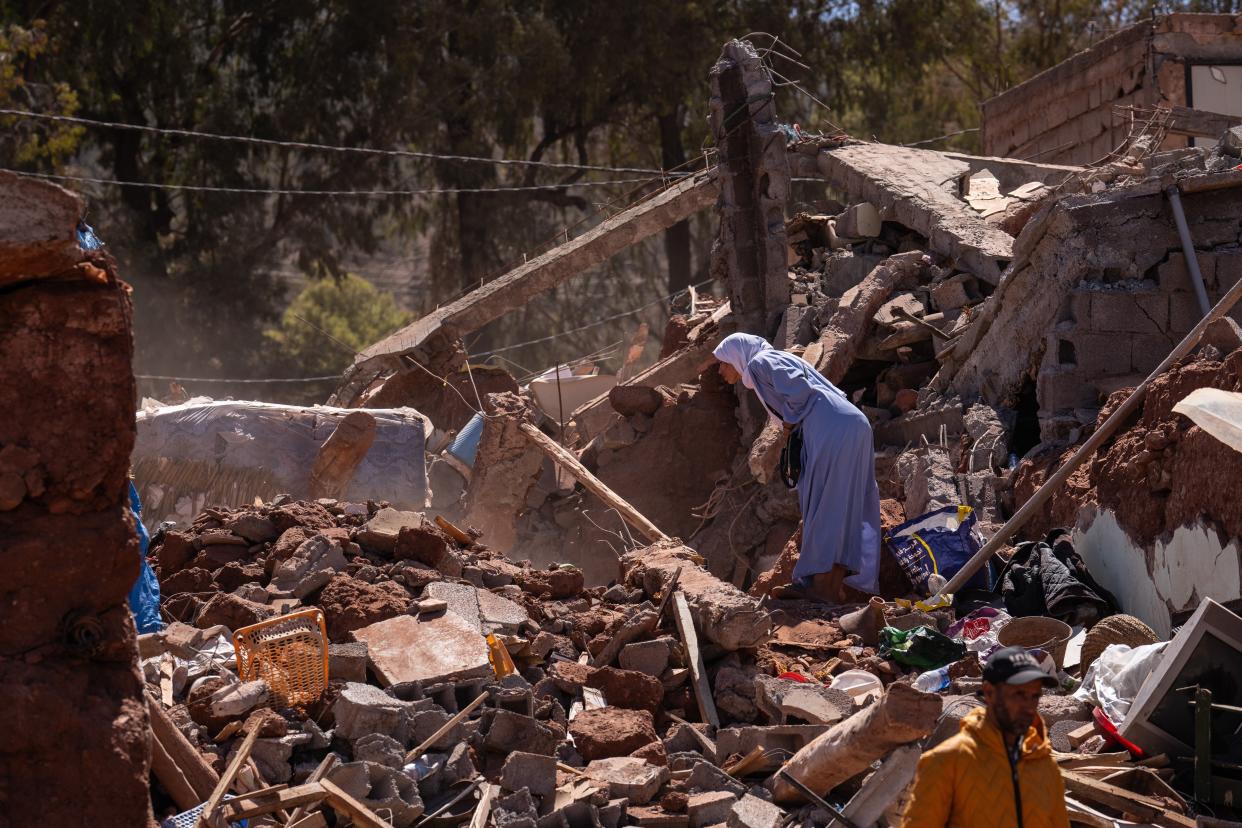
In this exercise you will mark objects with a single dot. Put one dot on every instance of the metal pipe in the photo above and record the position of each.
(1188, 247)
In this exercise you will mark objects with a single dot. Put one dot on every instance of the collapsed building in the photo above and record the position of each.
(987, 314)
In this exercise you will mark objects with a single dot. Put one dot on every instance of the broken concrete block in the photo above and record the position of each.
(951, 294)
(650, 657)
(429, 649)
(381, 749)
(362, 709)
(39, 220)
(273, 755)
(611, 731)
(899, 717)
(787, 738)
(517, 810)
(928, 478)
(253, 527)
(724, 614)
(753, 812)
(705, 776)
(230, 611)
(380, 532)
(633, 779)
(534, 772)
(482, 609)
(237, 699)
(861, 221)
(310, 567)
(380, 788)
(908, 302)
(811, 703)
(709, 808)
(348, 661)
(511, 732)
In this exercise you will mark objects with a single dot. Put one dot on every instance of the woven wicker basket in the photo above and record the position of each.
(1115, 629)
(1037, 632)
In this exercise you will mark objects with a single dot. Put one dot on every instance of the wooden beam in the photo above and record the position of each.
(483, 811)
(343, 803)
(1145, 808)
(222, 787)
(339, 456)
(321, 770)
(315, 820)
(271, 800)
(171, 777)
(698, 670)
(200, 775)
(570, 463)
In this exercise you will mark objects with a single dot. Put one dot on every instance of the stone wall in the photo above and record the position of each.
(75, 747)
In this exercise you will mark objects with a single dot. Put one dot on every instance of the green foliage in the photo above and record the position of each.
(605, 83)
(329, 319)
(20, 50)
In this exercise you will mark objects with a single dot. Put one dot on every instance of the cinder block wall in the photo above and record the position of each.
(1067, 114)
(1116, 326)
(1064, 115)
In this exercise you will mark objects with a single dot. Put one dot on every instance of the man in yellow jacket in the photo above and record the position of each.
(998, 771)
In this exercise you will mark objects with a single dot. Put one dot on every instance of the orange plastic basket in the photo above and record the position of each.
(290, 653)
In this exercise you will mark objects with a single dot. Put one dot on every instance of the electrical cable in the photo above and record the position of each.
(308, 145)
(335, 193)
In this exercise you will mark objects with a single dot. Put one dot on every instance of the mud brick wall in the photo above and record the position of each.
(1067, 114)
(75, 748)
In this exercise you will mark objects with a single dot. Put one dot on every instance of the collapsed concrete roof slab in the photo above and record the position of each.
(1092, 264)
(917, 188)
(517, 287)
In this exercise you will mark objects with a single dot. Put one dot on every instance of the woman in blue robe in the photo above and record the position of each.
(836, 490)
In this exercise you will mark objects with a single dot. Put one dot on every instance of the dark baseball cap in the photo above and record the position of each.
(1014, 665)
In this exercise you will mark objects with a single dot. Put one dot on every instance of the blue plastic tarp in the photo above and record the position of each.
(144, 596)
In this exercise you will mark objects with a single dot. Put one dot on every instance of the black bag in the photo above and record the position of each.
(791, 458)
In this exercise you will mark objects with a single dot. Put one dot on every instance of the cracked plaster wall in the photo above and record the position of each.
(1173, 574)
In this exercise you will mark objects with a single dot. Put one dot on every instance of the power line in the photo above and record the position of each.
(942, 137)
(594, 324)
(334, 193)
(335, 377)
(307, 145)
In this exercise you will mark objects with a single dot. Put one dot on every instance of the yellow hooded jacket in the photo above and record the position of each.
(967, 781)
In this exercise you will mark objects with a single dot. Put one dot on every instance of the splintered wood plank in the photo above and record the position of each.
(566, 458)
(698, 671)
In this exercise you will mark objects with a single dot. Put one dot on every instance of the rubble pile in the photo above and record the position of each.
(1161, 471)
(460, 680)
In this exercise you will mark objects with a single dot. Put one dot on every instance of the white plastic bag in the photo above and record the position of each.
(1113, 680)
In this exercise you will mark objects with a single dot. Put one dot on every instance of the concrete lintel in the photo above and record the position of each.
(514, 289)
(1014, 172)
(917, 189)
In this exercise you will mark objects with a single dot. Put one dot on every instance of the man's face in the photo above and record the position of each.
(729, 374)
(1013, 705)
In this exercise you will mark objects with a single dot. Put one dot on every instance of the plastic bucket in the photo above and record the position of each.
(1037, 632)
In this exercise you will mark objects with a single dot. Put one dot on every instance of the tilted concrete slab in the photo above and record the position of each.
(446, 647)
(917, 188)
(517, 287)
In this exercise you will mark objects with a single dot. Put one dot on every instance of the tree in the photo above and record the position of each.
(330, 319)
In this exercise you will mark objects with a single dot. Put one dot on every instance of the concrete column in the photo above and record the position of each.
(751, 252)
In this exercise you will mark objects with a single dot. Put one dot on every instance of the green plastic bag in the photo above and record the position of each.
(922, 647)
